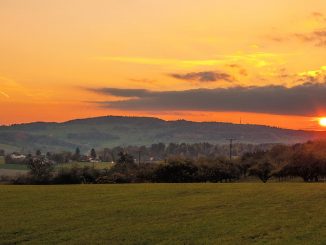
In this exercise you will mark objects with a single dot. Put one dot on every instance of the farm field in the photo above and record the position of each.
(97, 165)
(242, 213)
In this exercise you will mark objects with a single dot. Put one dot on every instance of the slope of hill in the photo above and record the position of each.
(111, 131)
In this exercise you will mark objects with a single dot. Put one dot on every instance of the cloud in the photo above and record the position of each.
(302, 100)
(313, 76)
(122, 92)
(258, 59)
(320, 17)
(317, 37)
(241, 70)
(317, 14)
(205, 76)
(161, 61)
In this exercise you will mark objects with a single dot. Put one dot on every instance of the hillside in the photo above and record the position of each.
(111, 131)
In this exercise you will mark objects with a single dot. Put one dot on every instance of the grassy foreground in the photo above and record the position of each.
(286, 213)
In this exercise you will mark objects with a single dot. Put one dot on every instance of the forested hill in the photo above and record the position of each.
(111, 131)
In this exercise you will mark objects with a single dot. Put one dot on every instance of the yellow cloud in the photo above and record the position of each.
(155, 61)
(313, 73)
(259, 59)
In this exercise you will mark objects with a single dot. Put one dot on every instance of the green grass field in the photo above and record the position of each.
(13, 166)
(284, 213)
(99, 165)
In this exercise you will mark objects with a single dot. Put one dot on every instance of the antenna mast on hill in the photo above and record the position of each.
(231, 145)
(139, 152)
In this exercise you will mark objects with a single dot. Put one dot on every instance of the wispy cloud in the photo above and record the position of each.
(204, 76)
(258, 59)
(157, 61)
(119, 92)
(242, 71)
(316, 36)
(320, 17)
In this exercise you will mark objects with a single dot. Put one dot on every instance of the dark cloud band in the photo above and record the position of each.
(302, 100)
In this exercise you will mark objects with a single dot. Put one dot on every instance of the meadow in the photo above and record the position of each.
(238, 213)
(97, 165)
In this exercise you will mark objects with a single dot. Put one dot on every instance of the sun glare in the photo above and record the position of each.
(322, 121)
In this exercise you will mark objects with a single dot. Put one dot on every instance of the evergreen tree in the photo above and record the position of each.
(38, 153)
(93, 153)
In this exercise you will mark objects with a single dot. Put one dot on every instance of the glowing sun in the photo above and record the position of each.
(322, 121)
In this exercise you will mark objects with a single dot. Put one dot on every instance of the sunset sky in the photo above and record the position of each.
(261, 62)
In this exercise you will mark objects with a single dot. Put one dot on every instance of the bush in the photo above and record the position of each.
(176, 171)
(24, 179)
(104, 180)
(89, 175)
(218, 170)
(145, 172)
(75, 175)
(68, 176)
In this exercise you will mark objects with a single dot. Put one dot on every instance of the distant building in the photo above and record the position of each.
(94, 160)
(17, 156)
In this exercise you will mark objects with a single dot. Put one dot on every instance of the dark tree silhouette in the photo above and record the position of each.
(38, 153)
(263, 169)
(125, 158)
(77, 151)
(40, 169)
(77, 155)
(93, 153)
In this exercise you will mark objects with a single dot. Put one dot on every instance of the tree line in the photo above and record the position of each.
(154, 152)
(282, 162)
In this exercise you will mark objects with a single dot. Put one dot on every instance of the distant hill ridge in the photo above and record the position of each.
(109, 131)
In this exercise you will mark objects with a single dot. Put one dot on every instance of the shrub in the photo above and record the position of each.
(176, 171)
(68, 176)
(145, 172)
(104, 180)
(89, 175)
(24, 179)
(218, 170)
(75, 175)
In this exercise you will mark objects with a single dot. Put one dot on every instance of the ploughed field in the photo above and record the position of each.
(239, 213)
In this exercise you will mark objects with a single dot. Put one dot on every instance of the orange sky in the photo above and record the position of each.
(53, 51)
